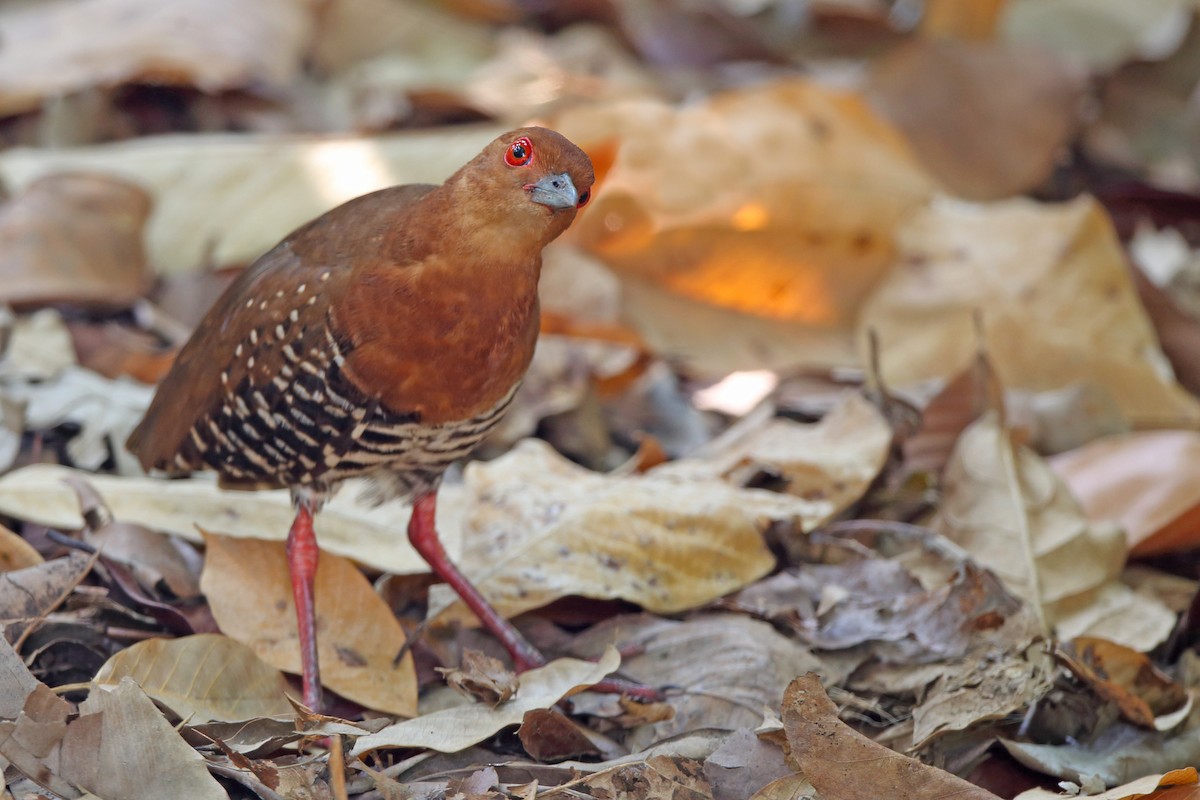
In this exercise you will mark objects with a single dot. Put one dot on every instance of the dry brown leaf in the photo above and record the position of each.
(29, 593)
(1006, 507)
(481, 678)
(122, 746)
(347, 526)
(738, 666)
(658, 776)
(833, 461)
(32, 741)
(1179, 784)
(843, 763)
(15, 552)
(982, 138)
(548, 735)
(788, 225)
(1146, 481)
(201, 678)
(248, 587)
(1058, 305)
(60, 47)
(789, 787)
(455, 729)
(73, 238)
(1125, 677)
(539, 528)
(249, 191)
(745, 764)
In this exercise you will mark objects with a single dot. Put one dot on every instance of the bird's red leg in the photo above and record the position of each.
(302, 555)
(422, 532)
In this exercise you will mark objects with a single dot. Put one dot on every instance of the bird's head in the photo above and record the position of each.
(530, 179)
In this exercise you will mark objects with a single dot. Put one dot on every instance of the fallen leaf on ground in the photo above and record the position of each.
(62, 47)
(658, 776)
(1125, 677)
(1178, 784)
(728, 668)
(481, 678)
(73, 238)
(122, 746)
(201, 678)
(548, 736)
(843, 763)
(741, 235)
(1059, 306)
(745, 764)
(1147, 481)
(1006, 507)
(455, 729)
(347, 526)
(248, 587)
(30, 593)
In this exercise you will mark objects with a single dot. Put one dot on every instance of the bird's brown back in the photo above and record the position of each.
(415, 306)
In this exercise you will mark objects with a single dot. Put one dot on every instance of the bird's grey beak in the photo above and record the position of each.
(555, 191)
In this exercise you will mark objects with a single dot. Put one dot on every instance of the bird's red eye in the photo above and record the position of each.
(519, 153)
(584, 196)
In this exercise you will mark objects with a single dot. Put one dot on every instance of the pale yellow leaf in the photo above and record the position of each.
(1006, 507)
(201, 678)
(15, 552)
(1056, 300)
(249, 590)
(540, 527)
(347, 526)
(458, 728)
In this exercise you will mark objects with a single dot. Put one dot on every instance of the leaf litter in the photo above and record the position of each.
(760, 238)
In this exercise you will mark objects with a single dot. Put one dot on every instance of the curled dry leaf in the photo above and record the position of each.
(548, 735)
(785, 230)
(73, 237)
(481, 677)
(61, 47)
(458, 728)
(347, 526)
(30, 593)
(201, 678)
(247, 585)
(249, 190)
(1125, 677)
(1147, 481)
(843, 763)
(1060, 308)
(1006, 507)
(1179, 784)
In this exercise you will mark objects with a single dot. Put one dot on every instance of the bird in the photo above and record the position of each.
(382, 340)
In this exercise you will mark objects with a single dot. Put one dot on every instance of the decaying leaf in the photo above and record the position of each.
(658, 776)
(1125, 677)
(1147, 481)
(247, 585)
(73, 238)
(745, 764)
(1058, 305)
(549, 736)
(481, 677)
(729, 668)
(29, 593)
(201, 678)
(32, 740)
(62, 47)
(1007, 508)
(455, 729)
(843, 763)
(347, 526)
